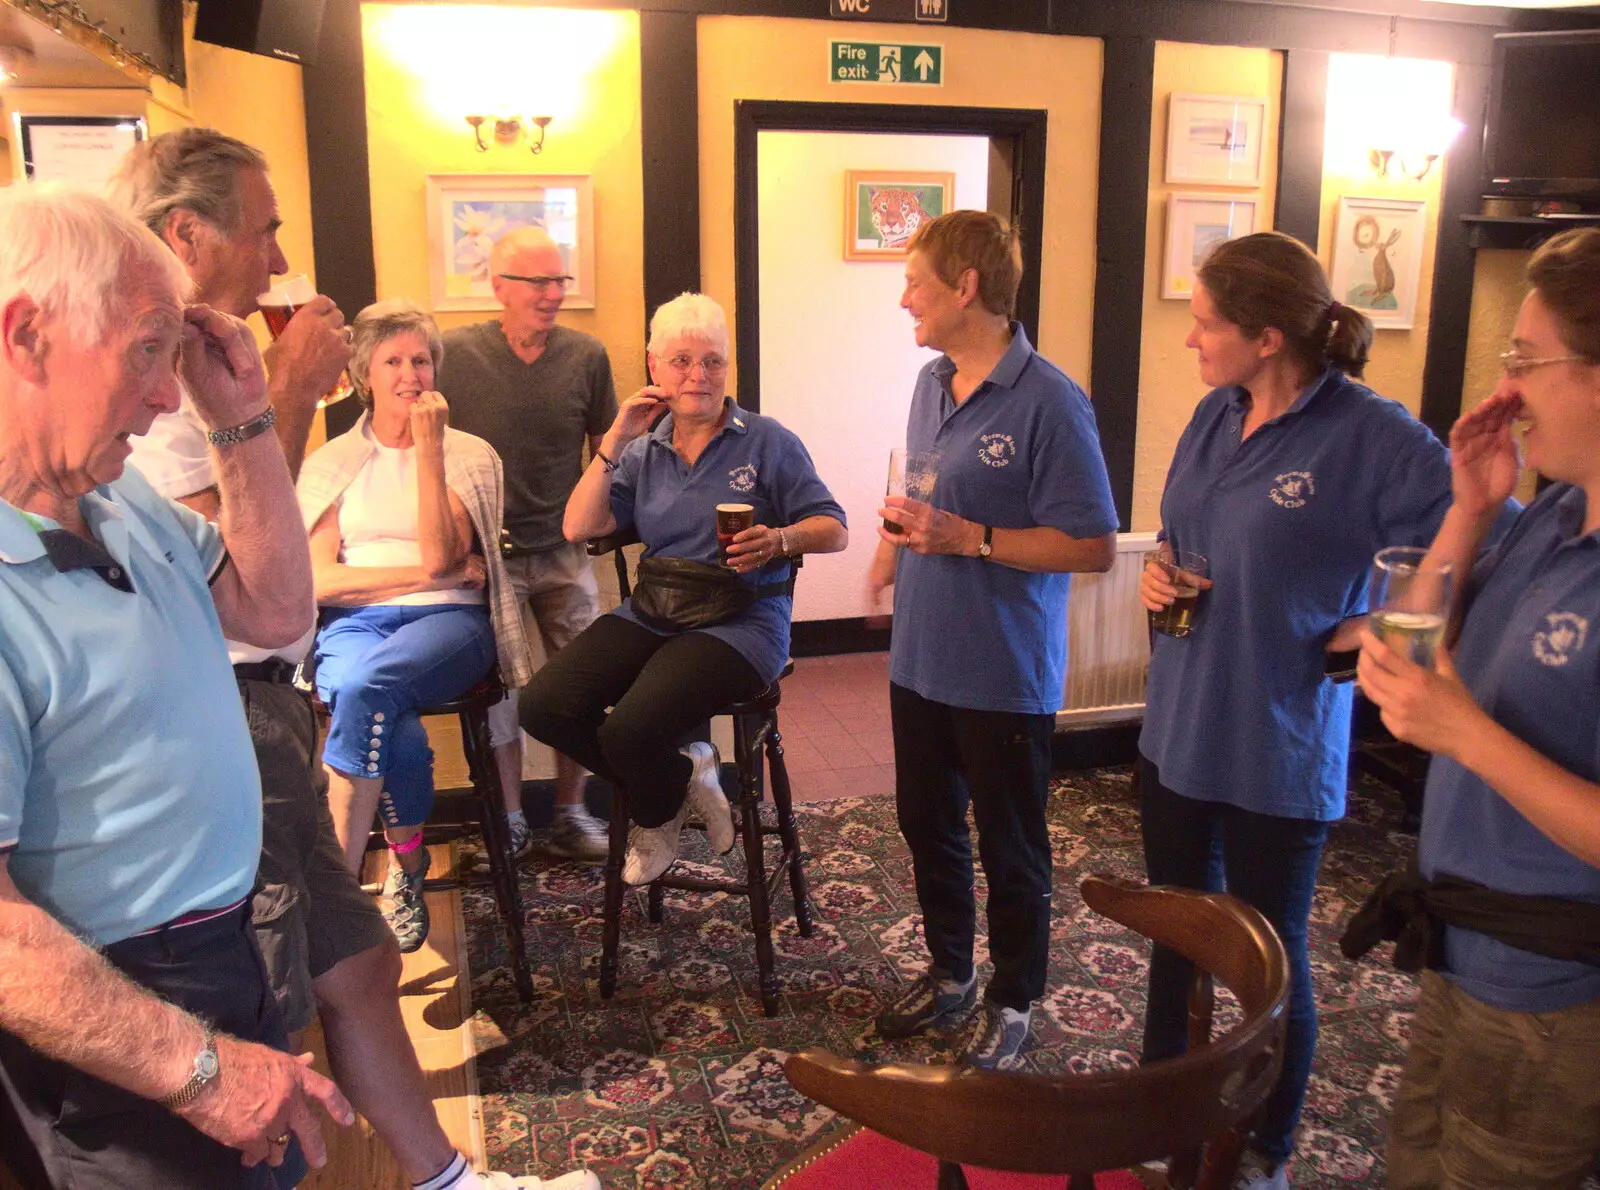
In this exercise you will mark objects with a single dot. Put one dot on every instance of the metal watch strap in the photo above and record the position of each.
(206, 1068)
(257, 425)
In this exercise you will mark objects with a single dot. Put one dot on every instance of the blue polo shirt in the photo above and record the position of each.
(1239, 711)
(128, 786)
(1530, 654)
(672, 506)
(1020, 452)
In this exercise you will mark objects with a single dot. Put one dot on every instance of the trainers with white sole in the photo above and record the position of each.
(578, 1179)
(705, 797)
(651, 850)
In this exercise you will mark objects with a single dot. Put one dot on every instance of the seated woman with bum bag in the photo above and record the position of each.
(678, 594)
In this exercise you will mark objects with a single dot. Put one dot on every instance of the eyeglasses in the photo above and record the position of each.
(561, 282)
(1515, 363)
(684, 363)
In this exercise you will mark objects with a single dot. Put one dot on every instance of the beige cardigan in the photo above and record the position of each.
(472, 471)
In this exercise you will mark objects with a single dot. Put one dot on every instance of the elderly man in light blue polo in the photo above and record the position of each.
(139, 1045)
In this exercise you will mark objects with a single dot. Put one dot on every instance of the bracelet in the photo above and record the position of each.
(257, 425)
(783, 543)
(606, 459)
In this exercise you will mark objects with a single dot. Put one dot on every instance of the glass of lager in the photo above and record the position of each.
(1409, 602)
(911, 473)
(279, 304)
(1182, 568)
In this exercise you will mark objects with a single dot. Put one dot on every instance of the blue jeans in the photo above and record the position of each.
(376, 666)
(1269, 863)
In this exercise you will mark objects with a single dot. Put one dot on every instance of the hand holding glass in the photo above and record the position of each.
(1182, 568)
(732, 520)
(912, 474)
(1409, 602)
(281, 303)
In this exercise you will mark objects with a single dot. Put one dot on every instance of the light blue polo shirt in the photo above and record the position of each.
(128, 786)
(672, 506)
(1530, 654)
(1240, 711)
(1021, 452)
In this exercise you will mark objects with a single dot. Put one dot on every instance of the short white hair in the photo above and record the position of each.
(688, 314)
(71, 252)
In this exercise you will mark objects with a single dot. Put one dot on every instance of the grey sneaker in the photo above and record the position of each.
(997, 1035)
(518, 838)
(577, 834)
(933, 998)
(705, 797)
(405, 909)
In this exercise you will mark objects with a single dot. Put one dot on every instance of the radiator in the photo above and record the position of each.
(1108, 641)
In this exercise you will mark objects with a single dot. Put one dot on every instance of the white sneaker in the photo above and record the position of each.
(1257, 1173)
(705, 796)
(578, 1179)
(651, 850)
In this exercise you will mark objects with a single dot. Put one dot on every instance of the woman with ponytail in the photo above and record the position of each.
(1288, 478)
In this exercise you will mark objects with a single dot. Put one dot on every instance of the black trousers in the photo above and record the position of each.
(660, 689)
(65, 1128)
(945, 756)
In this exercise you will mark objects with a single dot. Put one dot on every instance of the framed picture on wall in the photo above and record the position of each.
(1216, 139)
(1197, 223)
(467, 213)
(1377, 258)
(883, 208)
(78, 151)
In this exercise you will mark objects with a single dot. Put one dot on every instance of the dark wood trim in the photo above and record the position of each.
(1298, 210)
(1120, 210)
(1026, 127)
(828, 638)
(670, 129)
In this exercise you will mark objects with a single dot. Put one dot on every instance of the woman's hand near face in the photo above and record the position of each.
(1483, 455)
(635, 415)
(429, 416)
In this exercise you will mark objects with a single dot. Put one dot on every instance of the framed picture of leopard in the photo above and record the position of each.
(884, 208)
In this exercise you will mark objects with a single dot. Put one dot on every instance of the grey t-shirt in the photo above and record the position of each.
(535, 415)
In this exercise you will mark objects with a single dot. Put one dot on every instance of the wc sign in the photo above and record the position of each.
(933, 11)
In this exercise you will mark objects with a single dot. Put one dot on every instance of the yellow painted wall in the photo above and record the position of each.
(1169, 381)
(773, 58)
(428, 66)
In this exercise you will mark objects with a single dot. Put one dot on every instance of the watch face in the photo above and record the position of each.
(206, 1065)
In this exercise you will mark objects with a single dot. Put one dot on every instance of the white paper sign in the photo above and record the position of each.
(82, 153)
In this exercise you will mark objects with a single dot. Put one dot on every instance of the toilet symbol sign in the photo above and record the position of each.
(936, 11)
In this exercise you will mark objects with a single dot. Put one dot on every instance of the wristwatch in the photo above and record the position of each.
(206, 1067)
(987, 547)
(234, 435)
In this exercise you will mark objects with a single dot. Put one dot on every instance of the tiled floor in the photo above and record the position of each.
(835, 724)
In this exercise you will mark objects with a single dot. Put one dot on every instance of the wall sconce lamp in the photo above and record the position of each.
(1418, 157)
(507, 130)
(14, 59)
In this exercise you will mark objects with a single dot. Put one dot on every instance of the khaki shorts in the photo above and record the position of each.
(1495, 1100)
(559, 598)
(309, 911)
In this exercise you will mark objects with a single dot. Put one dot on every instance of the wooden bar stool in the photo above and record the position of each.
(757, 747)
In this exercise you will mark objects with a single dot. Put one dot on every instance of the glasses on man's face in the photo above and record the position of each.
(1516, 364)
(541, 283)
(684, 363)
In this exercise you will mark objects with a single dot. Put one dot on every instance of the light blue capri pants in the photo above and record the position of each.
(376, 666)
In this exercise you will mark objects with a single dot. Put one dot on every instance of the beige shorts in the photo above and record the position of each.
(559, 599)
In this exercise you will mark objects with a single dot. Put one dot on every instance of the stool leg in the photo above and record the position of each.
(749, 761)
(611, 931)
(654, 900)
(485, 777)
(783, 804)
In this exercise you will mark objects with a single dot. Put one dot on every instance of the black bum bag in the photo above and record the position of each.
(677, 594)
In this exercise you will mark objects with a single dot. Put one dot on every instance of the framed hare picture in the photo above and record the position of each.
(1377, 258)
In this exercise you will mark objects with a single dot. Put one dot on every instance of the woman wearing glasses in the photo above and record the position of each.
(659, 681)
(1502, 1083)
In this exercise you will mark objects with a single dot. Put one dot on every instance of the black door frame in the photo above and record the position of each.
(1025, 127)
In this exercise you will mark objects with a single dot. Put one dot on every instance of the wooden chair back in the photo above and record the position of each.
(1077, 1124)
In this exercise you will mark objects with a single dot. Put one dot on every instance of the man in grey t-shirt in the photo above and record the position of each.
(535, 391)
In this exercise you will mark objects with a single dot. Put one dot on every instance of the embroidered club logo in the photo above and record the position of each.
(996, 450)
(743, 479)
(1562, 636)
(1294, 489)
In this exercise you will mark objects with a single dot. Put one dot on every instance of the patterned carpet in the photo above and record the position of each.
(677, 1081)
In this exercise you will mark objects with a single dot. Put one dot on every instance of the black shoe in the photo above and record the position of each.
(934, 997)
(405, 909)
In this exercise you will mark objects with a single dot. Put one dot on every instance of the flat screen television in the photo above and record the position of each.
(1542, 138)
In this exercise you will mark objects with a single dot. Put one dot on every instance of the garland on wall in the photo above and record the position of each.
(74, 22)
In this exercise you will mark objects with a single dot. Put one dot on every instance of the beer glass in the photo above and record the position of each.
(1409, 602)
(1181, 567)
(732, 520)
(279, 304)
(911, 473)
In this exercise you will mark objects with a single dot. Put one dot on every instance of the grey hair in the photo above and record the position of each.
(379, 323)
(192, 169)
(688, 314)
(72, 253)
(514, 241)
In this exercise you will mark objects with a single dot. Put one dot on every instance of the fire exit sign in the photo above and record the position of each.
(886, 62)
(937, 11)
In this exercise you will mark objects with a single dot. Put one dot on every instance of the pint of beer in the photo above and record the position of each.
(911, 473)
(279, 304)
(1182, 568)
(1409, 602)
(732, 520)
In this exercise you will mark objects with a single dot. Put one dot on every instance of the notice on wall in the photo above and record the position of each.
(934, 11)
(78, 151)
(885, 62)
